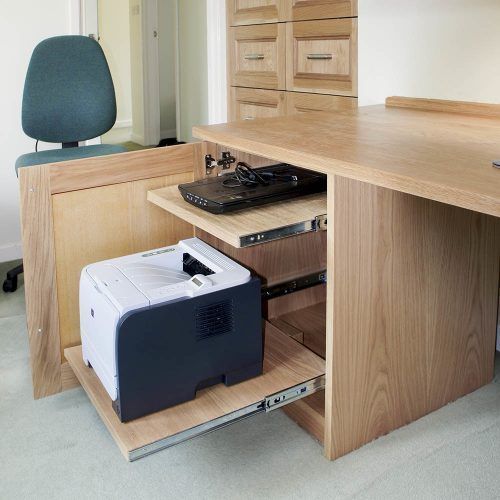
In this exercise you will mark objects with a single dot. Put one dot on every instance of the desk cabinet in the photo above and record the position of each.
(305, 46)
(257, 56)
(322, 56)
(249, 104)
(378, 346)
(244, 12)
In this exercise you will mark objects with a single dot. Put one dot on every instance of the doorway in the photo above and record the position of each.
(158, 52)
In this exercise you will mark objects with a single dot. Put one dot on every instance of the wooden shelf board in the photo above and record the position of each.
(306, 325)
(309, 413)
(286, 364)
(231, 227)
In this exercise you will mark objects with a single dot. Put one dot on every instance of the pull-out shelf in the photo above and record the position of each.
(251, 226)
(291, 372)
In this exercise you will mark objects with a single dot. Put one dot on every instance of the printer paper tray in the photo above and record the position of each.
(291, 372)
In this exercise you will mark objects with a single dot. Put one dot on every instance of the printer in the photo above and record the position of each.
(158, 326)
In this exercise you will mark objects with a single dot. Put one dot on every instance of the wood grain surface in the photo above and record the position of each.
(286, 363)
(445, 157)
(40, 282)
(280, 260)
(257, 56)
(308, 324)
(232, 226)
(124, 167)
(460, 107)
(105, 222)
(413, 294)
(302, 10)
(337, 39)
(309, 413)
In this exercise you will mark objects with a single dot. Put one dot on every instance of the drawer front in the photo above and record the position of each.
(241, 12)
(302, 103)
(257, 56)
(248, 104)
(303, 10)
(322, 56)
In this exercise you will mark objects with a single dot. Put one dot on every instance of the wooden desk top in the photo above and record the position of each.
(442, 156)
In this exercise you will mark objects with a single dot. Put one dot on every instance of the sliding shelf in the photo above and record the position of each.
(252, 226)
(291, 372)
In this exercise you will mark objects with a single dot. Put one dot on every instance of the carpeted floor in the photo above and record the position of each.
(58, 448)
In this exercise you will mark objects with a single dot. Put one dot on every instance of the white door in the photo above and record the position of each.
(137, 91)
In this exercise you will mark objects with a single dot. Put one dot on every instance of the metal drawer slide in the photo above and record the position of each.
(270, 403)
(319, 223)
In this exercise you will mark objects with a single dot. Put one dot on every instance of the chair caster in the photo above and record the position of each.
(10, 285)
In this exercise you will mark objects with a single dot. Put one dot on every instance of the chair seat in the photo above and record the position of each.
(67, 154)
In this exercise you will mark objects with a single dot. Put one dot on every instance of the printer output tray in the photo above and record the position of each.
(291, 372)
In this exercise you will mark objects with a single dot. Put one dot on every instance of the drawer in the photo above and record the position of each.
(241, 12)
(303, 10)
(298, 102)
(257, 56)
(322, 56)
(248, 104)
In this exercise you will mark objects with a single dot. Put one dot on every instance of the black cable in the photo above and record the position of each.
(36, 146)
(245, 175)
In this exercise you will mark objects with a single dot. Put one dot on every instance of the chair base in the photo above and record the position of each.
(10, 284)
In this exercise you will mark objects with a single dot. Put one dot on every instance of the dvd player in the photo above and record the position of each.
(231, 192)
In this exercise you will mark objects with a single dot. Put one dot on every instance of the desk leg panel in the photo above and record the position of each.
(413, 289)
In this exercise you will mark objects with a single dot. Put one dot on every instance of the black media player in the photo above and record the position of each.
(247, 187)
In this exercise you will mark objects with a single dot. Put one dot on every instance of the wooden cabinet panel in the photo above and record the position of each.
(257, 56)
(322, 56)
(248, 104)
(241, 12)
(298, 102)
(303, 10)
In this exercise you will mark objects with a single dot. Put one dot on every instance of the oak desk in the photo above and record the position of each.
(412, 252)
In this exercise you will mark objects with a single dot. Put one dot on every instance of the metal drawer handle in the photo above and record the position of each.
(249, 118)
(320, 56)
(254, 57)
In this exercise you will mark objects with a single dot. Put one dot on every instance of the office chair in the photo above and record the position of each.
(68, 97)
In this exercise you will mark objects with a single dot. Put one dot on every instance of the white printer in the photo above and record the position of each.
(160, 325)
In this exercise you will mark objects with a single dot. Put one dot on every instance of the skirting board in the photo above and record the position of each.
(11, 251)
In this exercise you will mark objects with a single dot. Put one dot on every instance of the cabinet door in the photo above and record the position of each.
(257, 56)
(241, 12)
(303, 10)
(298, 102)
(322, 56)
(248, 104)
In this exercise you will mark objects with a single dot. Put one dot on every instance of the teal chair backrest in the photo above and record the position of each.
(69, 94)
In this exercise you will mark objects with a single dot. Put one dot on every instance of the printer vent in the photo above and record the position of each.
(214, 319)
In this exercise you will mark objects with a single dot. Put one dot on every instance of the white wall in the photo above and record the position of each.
(446, 49)
(22, 26)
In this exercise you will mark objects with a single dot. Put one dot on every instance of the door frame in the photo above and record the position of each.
(86, 19)
(83, 20)
(217, 59)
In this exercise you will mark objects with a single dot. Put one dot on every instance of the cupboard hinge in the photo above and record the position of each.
(294, 393)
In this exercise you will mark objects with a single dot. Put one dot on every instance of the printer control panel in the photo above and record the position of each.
(200, 281)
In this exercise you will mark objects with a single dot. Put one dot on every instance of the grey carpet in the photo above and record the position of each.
(58, 448)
